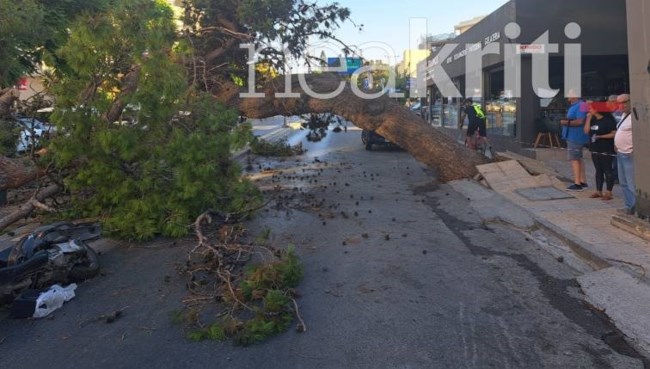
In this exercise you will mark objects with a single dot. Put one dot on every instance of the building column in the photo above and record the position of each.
(527, 106)
(638, 34)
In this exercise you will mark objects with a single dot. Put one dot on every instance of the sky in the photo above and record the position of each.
(388, 21)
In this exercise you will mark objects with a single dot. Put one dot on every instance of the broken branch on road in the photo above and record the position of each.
(251, 286)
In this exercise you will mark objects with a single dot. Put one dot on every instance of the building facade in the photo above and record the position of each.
(515, 117)
(408, 66)
(463, 26)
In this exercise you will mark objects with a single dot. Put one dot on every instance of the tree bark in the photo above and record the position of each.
(128, 85)
(27, 208)
(396, 123)
(17, 172)
(7, 98)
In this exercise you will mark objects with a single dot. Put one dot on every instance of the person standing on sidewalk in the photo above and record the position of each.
(601, 128)
(624, 155)
(476, 118)
(575, 136)
(613, 106)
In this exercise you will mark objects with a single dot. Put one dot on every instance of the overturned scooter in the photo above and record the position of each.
(56, 253)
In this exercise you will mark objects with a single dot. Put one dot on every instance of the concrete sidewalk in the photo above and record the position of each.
(619, 284)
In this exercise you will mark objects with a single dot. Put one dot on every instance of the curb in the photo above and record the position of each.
(632, 225)
(277, 134)
(579, 247)
(618, 293)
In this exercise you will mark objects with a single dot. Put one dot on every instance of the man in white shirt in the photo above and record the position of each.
(624, 154)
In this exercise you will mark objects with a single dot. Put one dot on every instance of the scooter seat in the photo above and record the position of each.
(4, 257)
(12, 273)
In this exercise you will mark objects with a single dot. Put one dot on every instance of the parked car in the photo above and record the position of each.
(370, 138)
(417, 109)
(31, 132)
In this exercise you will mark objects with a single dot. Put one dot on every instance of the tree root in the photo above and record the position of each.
(301, 327)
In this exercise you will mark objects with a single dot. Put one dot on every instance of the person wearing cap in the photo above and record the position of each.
(576, 138)
(624, 155)
(476, 119)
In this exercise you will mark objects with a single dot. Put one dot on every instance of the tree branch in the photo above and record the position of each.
(128, 86)
(211, 56)
(29, 206)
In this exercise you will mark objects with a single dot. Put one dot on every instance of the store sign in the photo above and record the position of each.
(470, 48)
(531, 49)
(496, 36)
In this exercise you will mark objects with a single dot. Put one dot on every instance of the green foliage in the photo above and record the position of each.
(267, 288)
(290, 23)
(168, 157)
(214, 332)
(262, 327)
(8, 137)
(287, 272)
(176, 317)
(32, 29)
(290, 268)
(275, 301)
(263, 237)
(20, 29)
(278, 148)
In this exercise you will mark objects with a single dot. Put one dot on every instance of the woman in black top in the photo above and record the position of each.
(601, 128)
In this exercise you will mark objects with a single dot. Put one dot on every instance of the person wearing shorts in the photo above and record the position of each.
(476, 118)
(576, 138)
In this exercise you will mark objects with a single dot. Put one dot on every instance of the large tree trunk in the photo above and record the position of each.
(17, 172)
(428, 145)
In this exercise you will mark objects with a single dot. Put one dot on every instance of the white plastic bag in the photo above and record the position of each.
(53, 299)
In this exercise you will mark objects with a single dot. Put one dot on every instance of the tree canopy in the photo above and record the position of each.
(32, 30)
(147, 107)
(149, 152)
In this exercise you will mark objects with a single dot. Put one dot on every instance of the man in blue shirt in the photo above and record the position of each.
(576, 138)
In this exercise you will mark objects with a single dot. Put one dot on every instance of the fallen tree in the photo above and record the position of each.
(427, 144)
(219, 61)
(151, 170)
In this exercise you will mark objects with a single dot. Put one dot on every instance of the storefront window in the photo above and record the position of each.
(450, 113)
(435, 113)
(500, 107)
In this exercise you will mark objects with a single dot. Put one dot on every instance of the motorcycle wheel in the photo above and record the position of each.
(86, 269)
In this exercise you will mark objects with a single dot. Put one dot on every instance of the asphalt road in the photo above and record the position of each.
(400, 272)
(265, 126)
